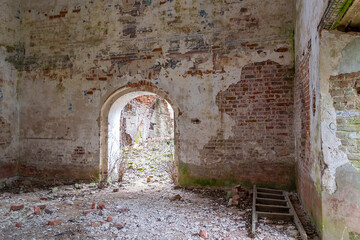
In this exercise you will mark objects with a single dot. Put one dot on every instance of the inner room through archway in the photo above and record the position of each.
(141, 139)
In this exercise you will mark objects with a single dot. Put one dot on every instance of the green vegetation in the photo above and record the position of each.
(185, 179)
(342, 10)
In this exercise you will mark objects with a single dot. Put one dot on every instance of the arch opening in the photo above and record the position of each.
(138, 134)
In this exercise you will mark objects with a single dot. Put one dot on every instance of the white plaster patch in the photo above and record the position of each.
(350, 60)
(347, 114)
(333, 156)
(354, 135)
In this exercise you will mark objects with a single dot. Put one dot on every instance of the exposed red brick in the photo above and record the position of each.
(37, 211)
(96, 224)
(8, 170)
(283, 49)
(261, 104)
(203, 234)
(54, 223)
(89, 211)
(16, 207)
(101, 206)
(302, 109)
(345, 92)
(157, 50)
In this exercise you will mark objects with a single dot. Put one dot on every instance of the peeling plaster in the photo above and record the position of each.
(332, 46)
(350, 60)
(189, 50)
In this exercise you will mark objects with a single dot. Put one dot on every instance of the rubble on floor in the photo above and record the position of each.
(152, 159)
(141, 211)
(135, 208)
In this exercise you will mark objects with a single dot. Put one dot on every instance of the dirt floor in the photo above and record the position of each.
(145, 205)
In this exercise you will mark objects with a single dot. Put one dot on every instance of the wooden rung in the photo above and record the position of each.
(272, 208)
(271, 201)
(270, 195)
(275, 204)
(267, 190)
(254, 215)
(287, 216)
(297, 221)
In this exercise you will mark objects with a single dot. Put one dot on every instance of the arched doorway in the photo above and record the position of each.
(110, 121)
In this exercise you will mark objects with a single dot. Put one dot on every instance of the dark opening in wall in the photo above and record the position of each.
(314, 102)
(357, 87)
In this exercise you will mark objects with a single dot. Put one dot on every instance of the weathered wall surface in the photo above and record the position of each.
(79, 52)
(326, 123)
(307, 108)
(340, 127)
(261, 104)
(9, 107)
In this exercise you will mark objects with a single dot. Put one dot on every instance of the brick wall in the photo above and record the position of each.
(302, 119)
(309, 191)
(79, 53)
(147, 100)
(262, 146)
(345, 91)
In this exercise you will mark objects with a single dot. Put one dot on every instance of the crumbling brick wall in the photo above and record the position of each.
(345, 91)
(261, 149)
(75, 54)
(302, 121)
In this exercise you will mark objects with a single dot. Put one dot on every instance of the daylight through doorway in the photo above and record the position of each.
(141, 140)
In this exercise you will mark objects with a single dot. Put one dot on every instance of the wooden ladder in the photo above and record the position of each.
(275, 204)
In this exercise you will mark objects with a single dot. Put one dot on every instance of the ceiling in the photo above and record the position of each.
(343, 15)
(351, 20)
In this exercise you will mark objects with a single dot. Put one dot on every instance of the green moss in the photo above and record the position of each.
(228, 182)
(331, 227)
(318, 185)
(316, 220)
(138, 137)
(318, 182)
(207, 182)
(96, 175)
(354, 236)
(10, 49)
(354, 121)
(291, 36)
(342, 10)
(185, 179)
(177, 6)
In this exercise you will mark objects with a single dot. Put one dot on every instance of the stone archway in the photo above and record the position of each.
(110, 119)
